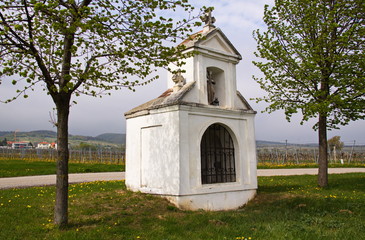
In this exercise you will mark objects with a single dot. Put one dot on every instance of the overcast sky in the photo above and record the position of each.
(94, 116)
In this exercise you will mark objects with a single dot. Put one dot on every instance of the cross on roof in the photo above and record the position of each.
(207, 17)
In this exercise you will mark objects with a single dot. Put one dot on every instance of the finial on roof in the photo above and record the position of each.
(179, 80)
(208, 19)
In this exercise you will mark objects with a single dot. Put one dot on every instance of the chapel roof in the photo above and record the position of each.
(170, 98)
(197, 38)
(167, 98)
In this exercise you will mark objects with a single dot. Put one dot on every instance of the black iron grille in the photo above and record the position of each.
(217, 156)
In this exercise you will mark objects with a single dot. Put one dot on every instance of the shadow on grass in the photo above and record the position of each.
(276, 188)
(83, 223)
(346, 182)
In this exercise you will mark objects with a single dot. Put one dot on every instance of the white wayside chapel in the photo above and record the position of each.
(195, 144)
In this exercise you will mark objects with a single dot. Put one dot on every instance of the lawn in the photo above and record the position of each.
(15, 168)
(274, 165)
(287, 207)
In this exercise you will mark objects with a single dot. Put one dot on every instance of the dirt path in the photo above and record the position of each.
(33, 181)
(42, 180)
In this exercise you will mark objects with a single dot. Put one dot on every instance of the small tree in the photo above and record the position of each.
(314, 51)
(87, 146)
(86, 47)
(335, 142)
(4, 142)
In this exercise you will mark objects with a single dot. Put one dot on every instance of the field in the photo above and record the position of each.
(271, 155)
(15, 168)
(26, 162)
(104, 156)
(298, 154)
(285, 208)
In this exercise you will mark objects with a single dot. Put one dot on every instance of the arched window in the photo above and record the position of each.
(217, 156)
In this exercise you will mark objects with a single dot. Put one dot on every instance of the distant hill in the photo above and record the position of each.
(105, 138)
(42, 133)
(28, 136)
(270, 143)
(4, 134)
(38, 133)
(50, 136)
(262, 143)
(112, 137)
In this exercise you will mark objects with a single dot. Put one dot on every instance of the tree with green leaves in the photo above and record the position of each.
(335, 143)
(313, 62)
(87, 146)
(4, 142)
(75, 47)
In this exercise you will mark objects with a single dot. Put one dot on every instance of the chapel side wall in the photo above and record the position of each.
(184, 161)
(251, 153)
(157, 160)
(133, 148)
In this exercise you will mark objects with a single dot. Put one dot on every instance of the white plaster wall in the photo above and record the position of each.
(214, 201)
(163, 156)
(196, 68)
(240, 126)
(190, 75)
(170, 141)
(194, 195)
(152, 152)
(185, 174)
(210, 55)
(228, 86)
(238, 104)
(187, 67)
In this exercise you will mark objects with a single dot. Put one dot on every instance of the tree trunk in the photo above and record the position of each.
(61, 204)
(323, 157)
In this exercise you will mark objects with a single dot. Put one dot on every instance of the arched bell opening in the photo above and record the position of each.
(217, 156)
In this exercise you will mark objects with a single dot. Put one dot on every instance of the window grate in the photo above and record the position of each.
(217, 156)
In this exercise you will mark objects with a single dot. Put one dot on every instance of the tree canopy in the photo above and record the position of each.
(313, 62)
(309, 44)
(87, 47)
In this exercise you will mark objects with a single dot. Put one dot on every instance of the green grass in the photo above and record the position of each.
(307, 165)
(15, 168)
(285, 208)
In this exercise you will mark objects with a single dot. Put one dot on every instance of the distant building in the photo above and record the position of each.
(54, 145)
(21, 145)
(47, 145)
(43, 145)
